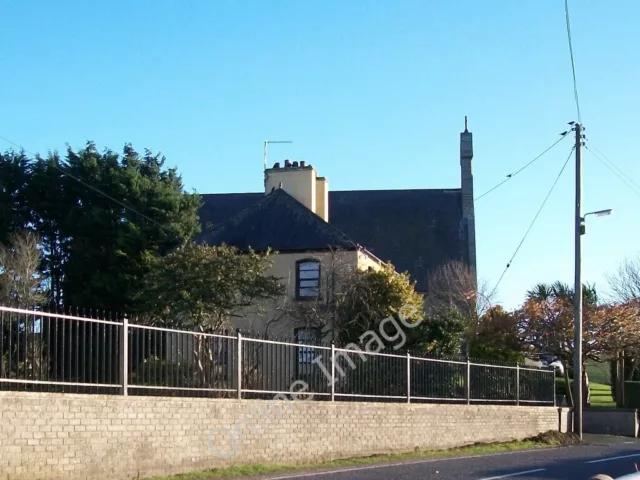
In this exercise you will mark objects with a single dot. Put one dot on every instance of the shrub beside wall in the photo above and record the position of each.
(632, 394)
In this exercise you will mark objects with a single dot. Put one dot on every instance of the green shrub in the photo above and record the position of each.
(632, 394)
(561, 388)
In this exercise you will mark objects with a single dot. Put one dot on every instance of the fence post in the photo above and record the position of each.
(124, 356)
(408, 377)
(239, 364)
(517, 384)
(467, 386)
(333, 372)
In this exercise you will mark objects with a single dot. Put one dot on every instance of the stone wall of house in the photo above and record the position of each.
(67, 436)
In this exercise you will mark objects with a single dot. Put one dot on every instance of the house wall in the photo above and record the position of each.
(66, 436)
(284, 267)
(281, 317)
(267, 367)
(366, 261)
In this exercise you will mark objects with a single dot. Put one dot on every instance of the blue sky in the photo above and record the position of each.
(373, 93)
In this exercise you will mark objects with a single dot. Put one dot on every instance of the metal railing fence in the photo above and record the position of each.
(44, 351)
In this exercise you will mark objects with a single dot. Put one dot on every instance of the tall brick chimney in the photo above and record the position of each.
(468, 212)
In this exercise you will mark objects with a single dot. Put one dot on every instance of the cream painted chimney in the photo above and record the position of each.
(322, 198)
(302, 182)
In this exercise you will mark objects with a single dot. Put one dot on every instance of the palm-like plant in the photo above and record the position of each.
(549, 330)
(562, 291)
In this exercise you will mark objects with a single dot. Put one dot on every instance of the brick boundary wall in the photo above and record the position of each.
(67, 436)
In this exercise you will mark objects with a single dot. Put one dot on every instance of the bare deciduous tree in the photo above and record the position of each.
(20, 281)
(454, 285)
(625, 282)
(21, 287)
(625, 286)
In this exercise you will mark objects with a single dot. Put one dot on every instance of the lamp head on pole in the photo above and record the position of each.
(597, 213)
(603, 213)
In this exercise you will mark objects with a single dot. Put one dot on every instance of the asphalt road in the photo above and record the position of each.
(607, 455)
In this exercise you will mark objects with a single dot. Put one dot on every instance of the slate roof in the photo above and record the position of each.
(415, 230)
(276, 221)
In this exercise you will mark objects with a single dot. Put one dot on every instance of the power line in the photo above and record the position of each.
(511, 175)
(573, 65)
(534, 220)
(616, 167)
(95, 189)
(617, 171)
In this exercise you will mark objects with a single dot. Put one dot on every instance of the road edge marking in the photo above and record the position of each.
(409, 462)
(515, 474)
(620, 457)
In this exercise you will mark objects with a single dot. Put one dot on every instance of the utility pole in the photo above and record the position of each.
(577, 300)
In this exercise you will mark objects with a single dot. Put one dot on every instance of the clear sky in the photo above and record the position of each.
(372, 93)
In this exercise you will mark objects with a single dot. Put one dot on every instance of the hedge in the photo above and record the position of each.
(632, 394)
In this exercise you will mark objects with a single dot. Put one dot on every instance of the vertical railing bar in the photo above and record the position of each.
(408, 377)
(64, 357)
(77, 349)
(173, 375)
(2, 372)
(84, 352)
(25, 346)
(10, 354)
(148, 356)
(103, 366)
(158, 363)
(92, 376)
(468, 382)
(333, 371)
(124, 357)
(33, 351)
(128, 341)
(40, 349)
(518, 384)
(162, 381)
(111, 349)
(239, 365)
(55, 349)
(29, 359)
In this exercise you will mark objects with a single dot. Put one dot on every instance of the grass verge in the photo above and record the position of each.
(545, 440)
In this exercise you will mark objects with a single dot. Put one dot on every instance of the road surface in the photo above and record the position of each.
(608, 455)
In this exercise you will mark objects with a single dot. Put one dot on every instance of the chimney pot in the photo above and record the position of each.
(295, 164)
(303, 163)
(287, 163)
(276, 165)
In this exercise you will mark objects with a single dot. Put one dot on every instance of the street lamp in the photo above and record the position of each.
(577, 351)
(597, 213)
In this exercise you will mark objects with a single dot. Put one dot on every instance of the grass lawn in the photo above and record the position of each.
(548, 440)
(598, 372)
(601, 395)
